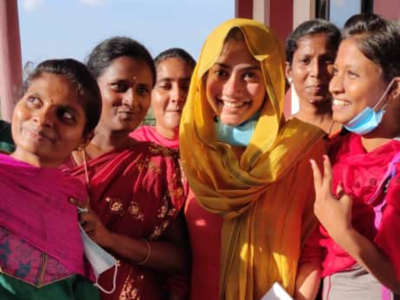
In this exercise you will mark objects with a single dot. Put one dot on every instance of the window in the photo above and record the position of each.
(338, 11)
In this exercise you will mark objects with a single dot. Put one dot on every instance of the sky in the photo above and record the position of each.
(71, 28)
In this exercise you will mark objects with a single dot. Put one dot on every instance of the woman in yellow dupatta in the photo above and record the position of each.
(263, 189)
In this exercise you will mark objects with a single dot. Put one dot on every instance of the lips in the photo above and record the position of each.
(40, 135)
(233, 104)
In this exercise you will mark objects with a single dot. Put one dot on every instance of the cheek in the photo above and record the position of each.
(159, 101)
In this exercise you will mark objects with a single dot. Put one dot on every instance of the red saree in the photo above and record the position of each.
(136, 192)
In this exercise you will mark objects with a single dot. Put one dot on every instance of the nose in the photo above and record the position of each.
(44, 117)
(315, 68)
(178, 95)
(232, 86)
(130, 98)
(336, 85)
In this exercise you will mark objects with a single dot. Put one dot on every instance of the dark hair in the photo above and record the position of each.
(309, 28)
(175, 53)
(378, 39)
(77, 73)
(108, 50)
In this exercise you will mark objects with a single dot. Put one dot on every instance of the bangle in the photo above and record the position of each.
(145, 260)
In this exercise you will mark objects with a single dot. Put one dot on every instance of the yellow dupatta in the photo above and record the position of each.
(266, 196)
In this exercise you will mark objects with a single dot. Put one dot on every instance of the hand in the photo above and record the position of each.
(334, 213)
(92, 224)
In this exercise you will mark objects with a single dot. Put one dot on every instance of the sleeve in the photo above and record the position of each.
(312, 251)
(390, 225)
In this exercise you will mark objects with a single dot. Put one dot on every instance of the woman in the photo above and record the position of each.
(310, 52)
(41, 251)
(135, 188)
(174, 68)
(246, 163)
(361, 218)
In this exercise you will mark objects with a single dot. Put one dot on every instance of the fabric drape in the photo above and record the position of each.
(266, 195)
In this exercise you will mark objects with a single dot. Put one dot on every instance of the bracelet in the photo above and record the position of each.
(145, 260)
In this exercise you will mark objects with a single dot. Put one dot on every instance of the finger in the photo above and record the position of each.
(78, 203)
(317, 176)
(327, 181)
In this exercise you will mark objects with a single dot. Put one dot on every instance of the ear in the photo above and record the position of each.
(85, 140)
(288, 72)
(395, 89)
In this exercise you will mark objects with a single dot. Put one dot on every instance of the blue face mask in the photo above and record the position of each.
(368, 119)
(238, 135)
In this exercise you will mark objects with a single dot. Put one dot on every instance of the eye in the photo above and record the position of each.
(164, 86)
(143, 90)
(351, 74)
(305, 61)
(184, 87)
(66, 115)
(251, 76)
(34, 102)
(120, 86)
(221, 73)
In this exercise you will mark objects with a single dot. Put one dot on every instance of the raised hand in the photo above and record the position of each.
(334, 213)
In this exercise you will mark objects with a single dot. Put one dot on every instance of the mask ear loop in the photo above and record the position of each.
(114, 283)
(115, 266)
(383, 96)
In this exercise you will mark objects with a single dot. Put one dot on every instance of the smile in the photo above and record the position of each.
(340, 103)
(235, 104)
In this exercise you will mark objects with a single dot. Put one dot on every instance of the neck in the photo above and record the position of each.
(317, 114)
(386, 131)
(170, 134)
(33, 160)
(105, 141)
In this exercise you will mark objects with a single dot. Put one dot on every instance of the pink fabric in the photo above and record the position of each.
(361, 173)
(149, 134)
(35, 208)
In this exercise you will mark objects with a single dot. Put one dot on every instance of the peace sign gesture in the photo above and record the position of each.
(334, 213)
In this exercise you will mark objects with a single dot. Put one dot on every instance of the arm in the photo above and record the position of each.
(307, 281)
(335, 215)
(309, 273)
(168, 254)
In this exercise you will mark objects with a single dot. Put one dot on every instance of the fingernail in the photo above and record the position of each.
(312, 162)
(325, 157)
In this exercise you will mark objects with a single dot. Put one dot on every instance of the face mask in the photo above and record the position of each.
(99, 259)
(239, 135)
(368, 119)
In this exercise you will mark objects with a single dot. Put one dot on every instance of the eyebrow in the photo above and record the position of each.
(172, 79)
(249, 68)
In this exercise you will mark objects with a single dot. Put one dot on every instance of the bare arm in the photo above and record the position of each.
(307, 281)
(168, 254)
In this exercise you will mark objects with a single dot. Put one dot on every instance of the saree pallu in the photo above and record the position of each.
(136, 192)
(360, 173)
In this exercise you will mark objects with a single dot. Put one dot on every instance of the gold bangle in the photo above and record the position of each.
(145, 260)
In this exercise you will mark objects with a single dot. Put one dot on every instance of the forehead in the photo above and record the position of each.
(236, 52)
(54, 86)
(174, 67)
(126, 67)
(318, 42)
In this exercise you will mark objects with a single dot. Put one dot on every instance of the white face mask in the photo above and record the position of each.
(99, 259)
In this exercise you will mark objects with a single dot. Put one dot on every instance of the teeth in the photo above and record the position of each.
(234, 104)
(337, 102)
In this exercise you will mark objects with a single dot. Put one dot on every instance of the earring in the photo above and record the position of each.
(289, 80)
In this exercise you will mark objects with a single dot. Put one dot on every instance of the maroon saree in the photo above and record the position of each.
(136, 192)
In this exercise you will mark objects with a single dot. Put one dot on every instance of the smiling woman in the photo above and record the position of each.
(245, 162)
(135, 187)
